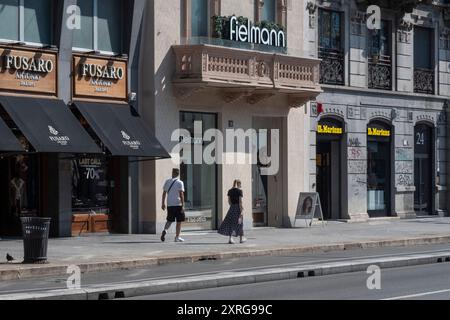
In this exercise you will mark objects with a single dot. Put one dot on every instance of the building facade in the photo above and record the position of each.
(287, 96)
(385, 92)
(71, 133)
(233, 66)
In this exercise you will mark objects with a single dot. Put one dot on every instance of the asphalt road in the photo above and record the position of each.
(410, 283)
(211, 267)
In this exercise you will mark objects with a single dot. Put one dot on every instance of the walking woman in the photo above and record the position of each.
(232, 225)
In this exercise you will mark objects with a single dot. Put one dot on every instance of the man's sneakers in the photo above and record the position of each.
(179, 239)
(163, 235)
(231, 241)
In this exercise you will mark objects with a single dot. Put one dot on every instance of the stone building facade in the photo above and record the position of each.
(388, 90)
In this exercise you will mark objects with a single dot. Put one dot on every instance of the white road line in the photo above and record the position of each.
(423, 294)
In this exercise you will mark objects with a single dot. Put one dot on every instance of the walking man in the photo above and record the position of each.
(174, 190)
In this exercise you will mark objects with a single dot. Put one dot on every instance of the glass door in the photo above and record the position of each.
(423, 170)
(378, 169)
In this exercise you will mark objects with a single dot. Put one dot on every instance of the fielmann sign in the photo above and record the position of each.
(247, 32)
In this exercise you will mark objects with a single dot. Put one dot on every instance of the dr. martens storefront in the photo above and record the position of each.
(69, 163)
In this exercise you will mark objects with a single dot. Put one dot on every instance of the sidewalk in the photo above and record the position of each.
(109, 252)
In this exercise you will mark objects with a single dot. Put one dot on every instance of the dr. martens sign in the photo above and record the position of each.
(99, 78)
(28, 71)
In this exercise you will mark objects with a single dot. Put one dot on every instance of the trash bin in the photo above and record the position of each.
(35, 239)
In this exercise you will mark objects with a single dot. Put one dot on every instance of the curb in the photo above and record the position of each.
(225, 279)
(28, 272)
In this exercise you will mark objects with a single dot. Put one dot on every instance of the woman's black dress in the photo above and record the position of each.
(230, 225)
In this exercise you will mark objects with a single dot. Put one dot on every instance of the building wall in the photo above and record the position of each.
(356, 105)
(162, 23)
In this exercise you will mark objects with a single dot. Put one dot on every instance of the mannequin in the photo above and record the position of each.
(18, 195)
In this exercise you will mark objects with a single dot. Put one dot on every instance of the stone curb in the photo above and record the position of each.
(224, 279)
(27, 272)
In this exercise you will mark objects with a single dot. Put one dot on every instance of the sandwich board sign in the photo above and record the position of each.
(309, 207)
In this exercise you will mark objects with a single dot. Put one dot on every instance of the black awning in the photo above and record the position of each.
(121, 130)
(49, 125)
(8, 142)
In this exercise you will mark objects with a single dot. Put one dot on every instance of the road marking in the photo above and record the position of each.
(423, 294)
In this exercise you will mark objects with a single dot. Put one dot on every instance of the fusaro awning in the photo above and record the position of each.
(121, 130)
(48, 125)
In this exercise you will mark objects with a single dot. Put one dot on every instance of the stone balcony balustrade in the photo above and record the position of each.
(253, 75)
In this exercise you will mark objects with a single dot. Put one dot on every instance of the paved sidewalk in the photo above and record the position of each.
(109, 252)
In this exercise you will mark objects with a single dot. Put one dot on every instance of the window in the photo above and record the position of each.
(91, 185)
(423, 60)
(101, 26)
(330, 47)
(423, 42)
(28, 21)
(380, 70)
(330, 30)
(200, 180)
(199, 18)
(268, 12)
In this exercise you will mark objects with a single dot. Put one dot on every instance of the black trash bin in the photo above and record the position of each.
(35, 239)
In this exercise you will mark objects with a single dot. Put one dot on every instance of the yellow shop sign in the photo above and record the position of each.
(378, 132)
(325, 129)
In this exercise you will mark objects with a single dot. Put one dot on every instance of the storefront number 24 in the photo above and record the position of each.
(420, 139)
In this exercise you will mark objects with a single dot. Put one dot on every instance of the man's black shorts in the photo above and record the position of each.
(175, 213)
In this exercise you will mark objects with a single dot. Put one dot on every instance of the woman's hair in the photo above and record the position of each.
(237, 183)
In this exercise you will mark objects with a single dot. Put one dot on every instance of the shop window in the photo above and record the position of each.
(92, 185)
(28, 21)
(200, 179)
(101, 26)
(330, 47)
(20, 190)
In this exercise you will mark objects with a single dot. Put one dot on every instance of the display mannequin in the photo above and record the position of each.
(18, 195)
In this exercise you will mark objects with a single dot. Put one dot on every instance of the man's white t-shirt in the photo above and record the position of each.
(173, 196)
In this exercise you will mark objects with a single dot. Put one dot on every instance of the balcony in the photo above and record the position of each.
(424, 80)
(246, 74)
(380, 72)
(331, 66)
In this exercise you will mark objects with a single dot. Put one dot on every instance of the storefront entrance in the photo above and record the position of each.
(328, 159)
(378, 169)
(423, 171)
(200, 180)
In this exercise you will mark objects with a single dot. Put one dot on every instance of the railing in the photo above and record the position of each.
(380, 72)
(423, 80)
(331, 67)
(230, 67)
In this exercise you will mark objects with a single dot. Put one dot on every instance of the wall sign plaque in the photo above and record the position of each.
(28, 71)
(99, 78)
